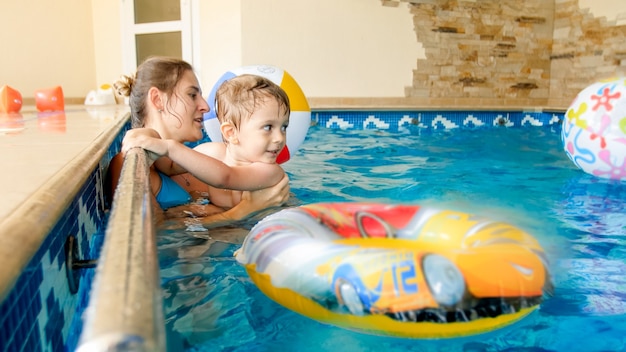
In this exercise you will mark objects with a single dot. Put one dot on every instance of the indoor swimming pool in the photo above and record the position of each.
(517, 174)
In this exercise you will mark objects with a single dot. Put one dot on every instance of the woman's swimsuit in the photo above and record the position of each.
(171, 193)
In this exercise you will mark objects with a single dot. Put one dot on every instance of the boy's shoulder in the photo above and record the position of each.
(213, 149)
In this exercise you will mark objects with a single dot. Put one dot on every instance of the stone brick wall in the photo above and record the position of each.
(508, 53)
(585, 49)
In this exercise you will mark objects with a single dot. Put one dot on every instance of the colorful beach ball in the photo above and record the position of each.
(594, 129)
(299, 119)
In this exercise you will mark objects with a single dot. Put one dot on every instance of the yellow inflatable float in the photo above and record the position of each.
(397, 270)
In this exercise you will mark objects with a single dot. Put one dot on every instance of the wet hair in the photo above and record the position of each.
(238, 97)
(164, 73)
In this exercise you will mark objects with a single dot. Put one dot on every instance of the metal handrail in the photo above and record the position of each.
(125, 309)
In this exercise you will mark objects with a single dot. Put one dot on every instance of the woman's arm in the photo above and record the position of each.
(253, 202)
(114, 172)
(168, 166)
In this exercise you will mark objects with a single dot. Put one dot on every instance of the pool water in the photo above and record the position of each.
(518, 175)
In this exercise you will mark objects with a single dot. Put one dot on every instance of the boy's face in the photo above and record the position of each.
(263, 135)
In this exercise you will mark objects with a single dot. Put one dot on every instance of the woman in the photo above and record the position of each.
(165, 96)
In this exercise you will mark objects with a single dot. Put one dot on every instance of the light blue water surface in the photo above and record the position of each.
(519, 175)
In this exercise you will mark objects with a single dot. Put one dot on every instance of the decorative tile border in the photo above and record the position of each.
(400, 120)
(435, 120)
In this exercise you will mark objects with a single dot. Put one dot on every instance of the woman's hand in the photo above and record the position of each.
(145, 138)
(253, 202)
(268, 197)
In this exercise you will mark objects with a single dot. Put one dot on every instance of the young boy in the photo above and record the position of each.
(253, 113)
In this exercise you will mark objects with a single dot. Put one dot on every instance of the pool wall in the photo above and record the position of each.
(39, 311)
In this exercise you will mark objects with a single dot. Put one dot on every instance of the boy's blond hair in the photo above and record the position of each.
(238, 97)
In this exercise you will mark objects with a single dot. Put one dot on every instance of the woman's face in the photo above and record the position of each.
(185, 109)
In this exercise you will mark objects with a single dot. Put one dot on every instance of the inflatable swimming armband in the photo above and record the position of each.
(10, 100)
(50, 99)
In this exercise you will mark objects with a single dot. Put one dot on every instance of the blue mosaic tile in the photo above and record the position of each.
(5, 333)
(39, 313)
(33, 341)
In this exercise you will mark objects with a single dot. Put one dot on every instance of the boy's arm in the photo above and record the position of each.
(217, 174)
(207, 169)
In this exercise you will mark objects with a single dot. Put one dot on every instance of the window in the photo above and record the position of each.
(156, 27)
